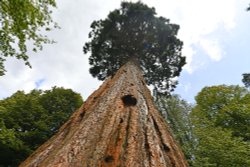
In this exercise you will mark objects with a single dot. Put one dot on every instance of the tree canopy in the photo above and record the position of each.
(135, 33)
(22, 21)
(221, 120)
(28, 120)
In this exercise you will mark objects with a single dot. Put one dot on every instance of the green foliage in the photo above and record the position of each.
(246, 79)
(135, 33)
(176, 113)
(221, 122)
(9, 143)
(22, 21)
(217, 147)
(28, 120)
(60, 103)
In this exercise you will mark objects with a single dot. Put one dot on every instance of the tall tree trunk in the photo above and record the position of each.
(118, 126)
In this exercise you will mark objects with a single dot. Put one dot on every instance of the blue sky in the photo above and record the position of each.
(215, 34)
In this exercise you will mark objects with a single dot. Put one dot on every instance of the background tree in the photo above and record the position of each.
(134, 32)
(28, 120)
(221, 121)
(246, 79)
(59, 103)
(176, 112)
(22, 21)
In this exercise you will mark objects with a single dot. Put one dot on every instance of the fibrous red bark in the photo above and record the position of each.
(118, 126)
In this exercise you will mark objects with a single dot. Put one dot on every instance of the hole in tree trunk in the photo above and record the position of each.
(108, 159)
(82, 114)
(129, 100)
(165, 147)
(121, 120)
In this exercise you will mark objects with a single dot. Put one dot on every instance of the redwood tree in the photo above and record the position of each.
(119, 125)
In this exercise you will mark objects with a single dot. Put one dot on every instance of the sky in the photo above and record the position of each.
(215, 34)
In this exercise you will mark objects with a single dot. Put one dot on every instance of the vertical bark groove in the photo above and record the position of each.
(110, 131)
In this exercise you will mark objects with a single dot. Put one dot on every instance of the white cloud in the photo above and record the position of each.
(212, 48)
(199, 20)
(63, 64)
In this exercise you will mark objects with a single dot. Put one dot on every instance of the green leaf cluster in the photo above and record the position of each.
(246, 79)
(23, 21)
(221, 120)
(28, 120)
(135, 33)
